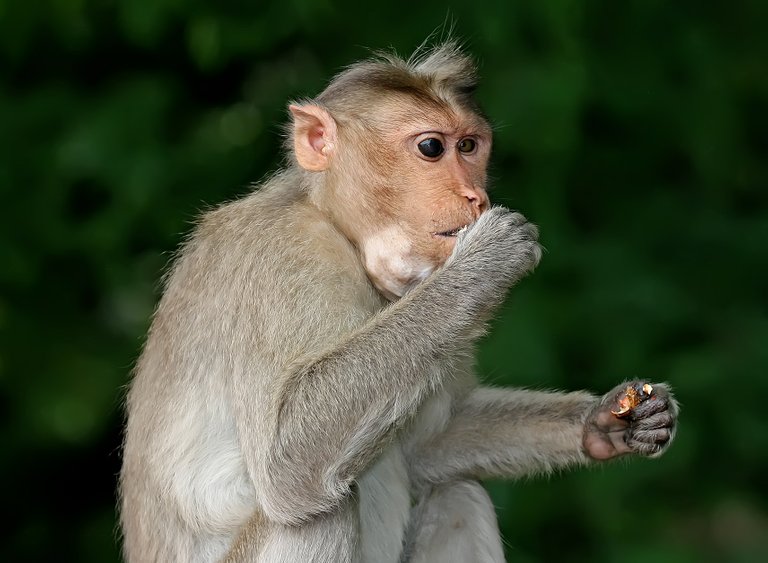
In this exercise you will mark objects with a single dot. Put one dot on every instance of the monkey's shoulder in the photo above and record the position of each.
(272, 265)
(275, 235)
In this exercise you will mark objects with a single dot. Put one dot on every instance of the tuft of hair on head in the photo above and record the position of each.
(441, 72)
(445, 65)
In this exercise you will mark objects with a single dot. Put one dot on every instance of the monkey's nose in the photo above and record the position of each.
(476, 196)
(479, 202)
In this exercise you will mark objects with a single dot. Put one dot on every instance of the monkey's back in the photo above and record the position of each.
(184, 485)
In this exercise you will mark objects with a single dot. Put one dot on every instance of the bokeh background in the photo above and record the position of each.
(634, 133)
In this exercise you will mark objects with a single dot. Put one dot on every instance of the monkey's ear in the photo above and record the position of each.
(314, 136)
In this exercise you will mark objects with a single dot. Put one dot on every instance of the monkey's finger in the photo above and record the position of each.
(502, 216)
(493, 215)
(528, 231)
(654, 405)
(655, 436)
(663, 419)
(645, 448)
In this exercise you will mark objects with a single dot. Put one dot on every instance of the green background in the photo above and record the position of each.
(634, 133)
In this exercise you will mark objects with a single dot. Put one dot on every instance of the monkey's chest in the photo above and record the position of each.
(385, 489)
(385, 503)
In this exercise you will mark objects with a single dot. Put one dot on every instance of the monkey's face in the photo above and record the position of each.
(403, 175)
(431, 186)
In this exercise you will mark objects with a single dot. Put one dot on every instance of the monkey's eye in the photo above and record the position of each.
(431, 148)
(466, 145)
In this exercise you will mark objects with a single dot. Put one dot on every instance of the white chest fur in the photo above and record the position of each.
(385, 504)
(385, 489)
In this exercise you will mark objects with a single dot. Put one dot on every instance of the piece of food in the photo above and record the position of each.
(633, 396)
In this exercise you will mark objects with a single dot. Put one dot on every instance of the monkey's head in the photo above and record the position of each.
(396, 154)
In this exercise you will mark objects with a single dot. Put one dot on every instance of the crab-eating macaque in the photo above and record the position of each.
(306, 392)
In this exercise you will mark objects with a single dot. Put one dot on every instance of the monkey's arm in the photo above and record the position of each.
(327, 417)
(507, 433)
(512, 433)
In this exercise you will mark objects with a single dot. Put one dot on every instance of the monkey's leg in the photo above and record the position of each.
(454, 523)
(333, 537)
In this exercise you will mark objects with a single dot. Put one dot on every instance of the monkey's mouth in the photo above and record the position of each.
(452, 232)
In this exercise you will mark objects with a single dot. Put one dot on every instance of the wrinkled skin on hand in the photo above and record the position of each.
(647, 430)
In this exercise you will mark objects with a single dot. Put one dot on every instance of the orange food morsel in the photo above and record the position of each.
(633, 396)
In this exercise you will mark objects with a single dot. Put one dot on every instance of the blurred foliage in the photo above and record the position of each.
(635, 133)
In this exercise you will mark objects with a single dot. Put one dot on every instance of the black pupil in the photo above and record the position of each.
(431, 147)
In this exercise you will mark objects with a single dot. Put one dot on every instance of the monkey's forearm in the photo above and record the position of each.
(507, 433)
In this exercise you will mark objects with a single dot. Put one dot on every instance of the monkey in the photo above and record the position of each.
(307, 389)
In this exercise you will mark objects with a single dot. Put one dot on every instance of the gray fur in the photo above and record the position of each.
(283, 411)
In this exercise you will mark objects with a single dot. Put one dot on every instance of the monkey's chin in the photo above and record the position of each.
(390, 292)
(394, 276)
(394, 289)
(392, 263)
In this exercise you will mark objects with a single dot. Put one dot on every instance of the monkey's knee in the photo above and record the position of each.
(330, 538)
(456, 522)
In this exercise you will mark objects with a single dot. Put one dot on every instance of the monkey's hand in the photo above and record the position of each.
(493, 253)
(648, 429)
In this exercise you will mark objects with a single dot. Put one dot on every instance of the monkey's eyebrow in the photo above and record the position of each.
(451, 130)
(429, 131)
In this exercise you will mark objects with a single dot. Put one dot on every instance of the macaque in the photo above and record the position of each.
(306, 392)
